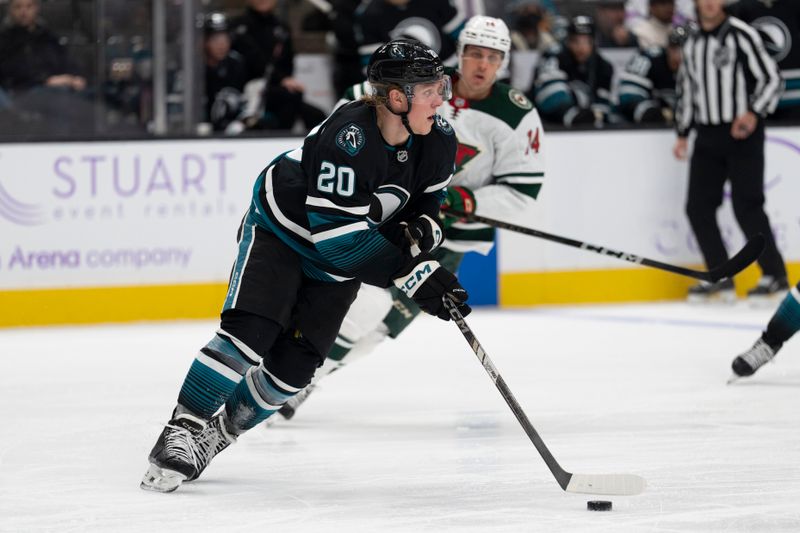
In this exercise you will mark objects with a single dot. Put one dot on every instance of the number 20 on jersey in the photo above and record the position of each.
(331, 178)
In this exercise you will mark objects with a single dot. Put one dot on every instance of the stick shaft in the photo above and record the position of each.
(747, 255)
(603, 484)
(562, 476)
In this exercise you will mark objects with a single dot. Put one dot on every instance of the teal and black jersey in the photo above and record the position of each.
(561, 83)
(330, 198)
(646, 83)
(778, 23)
(499, 156)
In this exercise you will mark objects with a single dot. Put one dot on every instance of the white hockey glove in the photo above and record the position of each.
(425, 281)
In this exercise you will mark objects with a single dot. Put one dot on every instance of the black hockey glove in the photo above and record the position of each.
(425, 281)
(428, 233)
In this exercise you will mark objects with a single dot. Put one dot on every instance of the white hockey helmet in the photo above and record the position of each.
(488, 32)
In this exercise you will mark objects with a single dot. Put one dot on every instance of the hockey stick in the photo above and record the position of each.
(749, 253)
(602, 484)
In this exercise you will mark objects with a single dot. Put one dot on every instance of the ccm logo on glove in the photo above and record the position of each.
(410, 283)
(427, 283)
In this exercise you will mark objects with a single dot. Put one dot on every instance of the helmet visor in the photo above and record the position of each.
(430, 91)
(479, 53)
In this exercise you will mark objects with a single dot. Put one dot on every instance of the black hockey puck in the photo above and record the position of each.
(598, 505)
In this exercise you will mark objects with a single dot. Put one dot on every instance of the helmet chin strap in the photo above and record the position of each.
(403, 115)
(404, 119)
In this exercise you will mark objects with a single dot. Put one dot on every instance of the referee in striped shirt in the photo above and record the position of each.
(727, 84)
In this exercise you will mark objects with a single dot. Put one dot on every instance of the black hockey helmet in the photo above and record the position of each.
(404, 63)
(581, 25)
(215, 22)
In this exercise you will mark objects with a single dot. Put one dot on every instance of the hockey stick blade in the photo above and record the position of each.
(599, 484)
(606, 484)
(749, 253)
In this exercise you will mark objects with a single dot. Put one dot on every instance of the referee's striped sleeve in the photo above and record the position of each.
(769, 84)
(684, 106)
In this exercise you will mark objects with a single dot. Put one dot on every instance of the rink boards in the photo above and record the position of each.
(118, 231)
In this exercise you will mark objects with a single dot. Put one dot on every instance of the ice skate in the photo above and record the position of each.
(174, 458)
(720, 292)
(750, 361)
(768, 291)
(212, 440)
(161, 479)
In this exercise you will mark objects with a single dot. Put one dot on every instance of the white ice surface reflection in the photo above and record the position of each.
(416, 437)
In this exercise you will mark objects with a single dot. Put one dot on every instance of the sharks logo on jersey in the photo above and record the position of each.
(419, 29)
(350, 139)
(776, 36)
(443, 125)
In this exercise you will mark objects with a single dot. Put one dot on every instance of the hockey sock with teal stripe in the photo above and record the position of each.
(214, 374)
(341, 347)
(786, 320)
(255, 398)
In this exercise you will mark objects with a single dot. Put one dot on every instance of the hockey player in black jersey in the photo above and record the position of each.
(572, 84)
(500, 171)
(323, 219)
(647, 85)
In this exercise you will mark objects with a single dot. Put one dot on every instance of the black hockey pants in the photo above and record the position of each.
(718, 157)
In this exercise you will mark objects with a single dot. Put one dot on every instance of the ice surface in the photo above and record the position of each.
(416, 437)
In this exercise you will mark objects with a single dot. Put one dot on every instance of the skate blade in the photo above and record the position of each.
(733, 379)
(161, 480)
(723, 298)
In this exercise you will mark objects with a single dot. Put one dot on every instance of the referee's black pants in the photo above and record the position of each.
(718, 157)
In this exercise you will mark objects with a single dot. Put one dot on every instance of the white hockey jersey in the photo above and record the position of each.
(500, 158)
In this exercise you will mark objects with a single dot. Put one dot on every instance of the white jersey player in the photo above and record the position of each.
(499, 170)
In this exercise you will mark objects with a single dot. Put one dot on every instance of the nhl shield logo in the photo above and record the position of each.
(350, 139)
(402, 156)
(722, 57)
